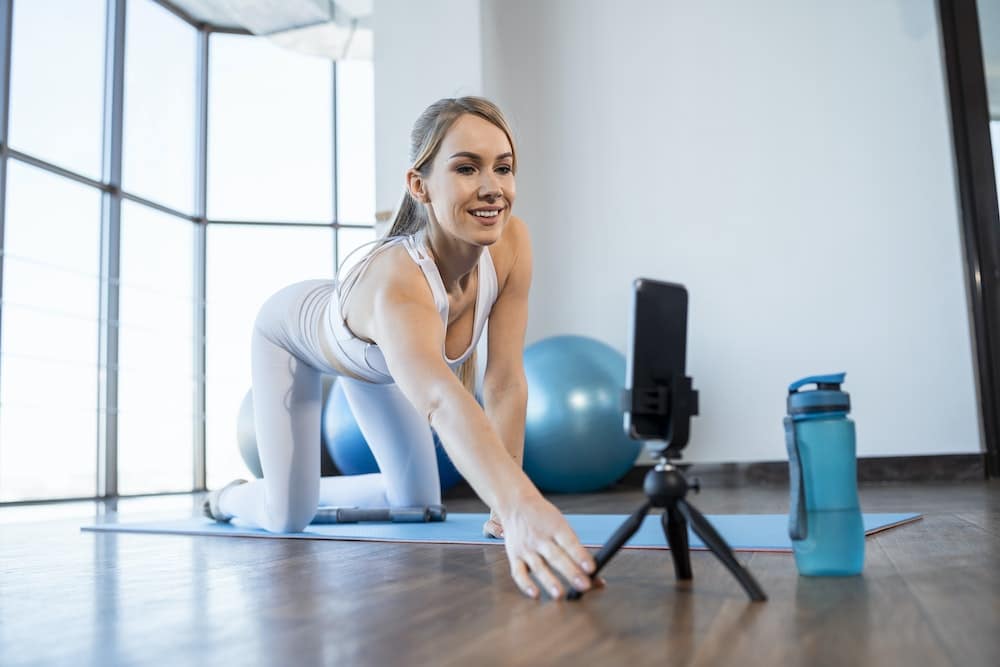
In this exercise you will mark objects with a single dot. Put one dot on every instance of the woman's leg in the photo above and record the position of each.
(403, 446)
(287, 397)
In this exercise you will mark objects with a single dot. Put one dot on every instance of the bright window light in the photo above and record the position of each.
(156, 382)
(160, 112)
(270, 127)
(57, 82)
(48, 346)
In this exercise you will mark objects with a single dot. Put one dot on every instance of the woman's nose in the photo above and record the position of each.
(490, 187)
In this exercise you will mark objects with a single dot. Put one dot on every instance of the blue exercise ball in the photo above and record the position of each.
(573, 440)
(246, 435)
(349, 449)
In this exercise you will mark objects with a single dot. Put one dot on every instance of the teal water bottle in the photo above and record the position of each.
(828, 535)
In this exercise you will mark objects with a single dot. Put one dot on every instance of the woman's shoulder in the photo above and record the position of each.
(514, 245)
(391, 271)
(516, 233)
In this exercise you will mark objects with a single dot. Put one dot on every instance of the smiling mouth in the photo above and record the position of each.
(487, 214)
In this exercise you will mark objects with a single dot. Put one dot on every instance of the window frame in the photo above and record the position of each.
(976, 189)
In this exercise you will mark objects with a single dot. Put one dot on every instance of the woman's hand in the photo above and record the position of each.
(540, 544)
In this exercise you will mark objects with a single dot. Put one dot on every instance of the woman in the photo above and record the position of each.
(400, 330)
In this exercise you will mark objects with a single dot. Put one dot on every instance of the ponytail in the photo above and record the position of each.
(410, 218)
(467, 373)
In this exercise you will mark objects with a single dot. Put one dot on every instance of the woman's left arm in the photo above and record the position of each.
(505, 388)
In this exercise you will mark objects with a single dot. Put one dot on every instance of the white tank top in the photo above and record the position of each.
(364, 359)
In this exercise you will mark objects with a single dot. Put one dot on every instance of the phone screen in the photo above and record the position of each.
(657, 350)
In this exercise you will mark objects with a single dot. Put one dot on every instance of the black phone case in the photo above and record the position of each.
(658, 348)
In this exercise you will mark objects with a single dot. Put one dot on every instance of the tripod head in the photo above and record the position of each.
(665, 411)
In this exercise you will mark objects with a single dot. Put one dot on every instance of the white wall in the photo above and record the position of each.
(788, 161)
(424, 50)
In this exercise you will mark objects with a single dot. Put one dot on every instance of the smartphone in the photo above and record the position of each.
(655, 365)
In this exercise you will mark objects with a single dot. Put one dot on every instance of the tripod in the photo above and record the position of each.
(666, 407)
(666, 487)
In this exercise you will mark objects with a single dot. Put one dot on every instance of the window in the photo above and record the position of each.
(159, 124)
(270, 133)
(156, 339)
(49, 337)
(271, 218)
(355, 142)
(57, 94)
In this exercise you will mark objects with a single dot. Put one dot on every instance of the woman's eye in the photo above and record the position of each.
(504, 169)
(465, 170)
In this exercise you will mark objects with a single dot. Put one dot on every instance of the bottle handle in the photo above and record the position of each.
(798, 525)
(820, 380)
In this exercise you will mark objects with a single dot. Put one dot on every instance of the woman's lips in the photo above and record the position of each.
(488, 221)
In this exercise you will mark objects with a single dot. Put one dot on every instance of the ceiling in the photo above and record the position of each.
(268, 16)
(338, 29)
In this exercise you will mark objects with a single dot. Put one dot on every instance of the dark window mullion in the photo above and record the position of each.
(333, 171)
(110, 269)
(200, 477)
(6, 21)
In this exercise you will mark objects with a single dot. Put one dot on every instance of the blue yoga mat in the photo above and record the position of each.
(743, 532)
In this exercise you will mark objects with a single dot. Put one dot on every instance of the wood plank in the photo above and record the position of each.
(988, 520)
(951, 566)
(928, 596)
(868, 619)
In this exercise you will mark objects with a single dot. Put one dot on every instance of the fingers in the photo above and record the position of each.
(545, 552)
(557, 556)
(571, 545)
(519, 572)
(544, 575)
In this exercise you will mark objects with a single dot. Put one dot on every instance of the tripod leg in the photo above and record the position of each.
(614, 543)
(675, 528)
(714, 541)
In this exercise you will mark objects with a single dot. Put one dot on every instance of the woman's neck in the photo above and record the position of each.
(455, 259)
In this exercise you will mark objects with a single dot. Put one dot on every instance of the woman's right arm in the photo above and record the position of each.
(408, 330)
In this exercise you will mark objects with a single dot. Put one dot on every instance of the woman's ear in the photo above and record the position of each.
(417, 186)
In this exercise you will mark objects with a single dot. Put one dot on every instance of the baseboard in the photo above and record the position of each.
(932, 468)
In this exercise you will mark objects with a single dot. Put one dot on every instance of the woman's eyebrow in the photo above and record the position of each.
(477, 158)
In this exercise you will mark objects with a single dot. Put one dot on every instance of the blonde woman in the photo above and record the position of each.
(400, 330)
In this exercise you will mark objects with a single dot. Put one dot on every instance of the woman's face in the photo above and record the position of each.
(470, 188)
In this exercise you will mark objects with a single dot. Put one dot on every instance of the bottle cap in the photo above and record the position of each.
(826, 399)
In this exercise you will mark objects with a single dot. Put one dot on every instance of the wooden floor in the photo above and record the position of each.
(930, 595)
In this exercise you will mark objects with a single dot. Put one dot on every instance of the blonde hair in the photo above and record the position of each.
(425, 140)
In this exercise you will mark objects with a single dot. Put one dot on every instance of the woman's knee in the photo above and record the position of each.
(289, 519)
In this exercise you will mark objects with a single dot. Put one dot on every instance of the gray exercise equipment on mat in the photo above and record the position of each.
(420, 514)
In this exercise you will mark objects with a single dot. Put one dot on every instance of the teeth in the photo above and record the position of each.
(486, 214)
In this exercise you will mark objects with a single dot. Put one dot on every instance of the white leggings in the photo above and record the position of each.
(287, 362)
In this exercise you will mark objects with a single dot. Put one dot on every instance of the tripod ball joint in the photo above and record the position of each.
(664, 484)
